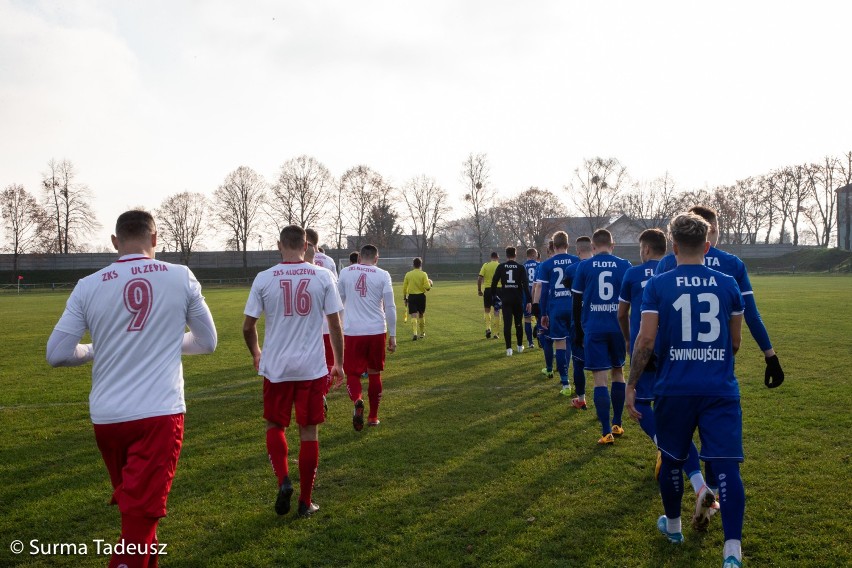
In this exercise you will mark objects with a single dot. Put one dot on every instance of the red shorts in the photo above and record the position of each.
(279, 399)
(141, 457)
(362, 352)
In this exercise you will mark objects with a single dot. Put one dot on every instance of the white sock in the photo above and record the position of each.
(697, 481)
(733, 548)
(673, 526)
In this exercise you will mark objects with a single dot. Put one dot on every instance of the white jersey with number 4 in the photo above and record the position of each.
(367, 294)
(136, 310)
(296, 297)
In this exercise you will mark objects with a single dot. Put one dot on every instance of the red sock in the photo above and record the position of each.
(308, 462)
(276, 447)
(353, 385)
(142, 532)
(374, 393)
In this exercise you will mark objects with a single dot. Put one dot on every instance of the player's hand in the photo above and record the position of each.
(630, 402)
(545, 322)
(774, 375)
(480, 292)
(391, 344)
(405, 301)
(528, 307)
(337, 376)
(256, 358)
(536, 310)
(430, 283)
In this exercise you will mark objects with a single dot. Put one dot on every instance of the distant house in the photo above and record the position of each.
(411, 242)
(624, 229)
(576, 226)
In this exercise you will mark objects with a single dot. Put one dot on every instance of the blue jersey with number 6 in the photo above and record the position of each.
(695, 354)
(599, 279)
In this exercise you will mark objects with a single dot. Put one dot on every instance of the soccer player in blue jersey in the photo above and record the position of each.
(583, 246)
(693, 315)
(596, 286)
(531, 266)
(555, 303)
(732, 266)
(543, 338)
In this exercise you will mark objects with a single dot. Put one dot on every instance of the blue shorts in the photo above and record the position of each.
(645, 387)
(719, 421)
(560, 322)
(604, 350)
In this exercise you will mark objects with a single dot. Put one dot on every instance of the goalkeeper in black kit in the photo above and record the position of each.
(516, 297)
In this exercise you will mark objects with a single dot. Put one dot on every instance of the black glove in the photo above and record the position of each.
(651, 366)
(578, 337)
(535, 310)
(774, 373)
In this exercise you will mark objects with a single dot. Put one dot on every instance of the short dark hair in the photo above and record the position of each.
(511, 252)
(707, 213)
(532, 252)
(602, 238)
(583, 243)
(689, 231)
(369, 252)
(494, 255)
(293, 237)
(312, 236)
(560, 239)
(417, 262)
(134, 224)
(353, 257)
(655, 239)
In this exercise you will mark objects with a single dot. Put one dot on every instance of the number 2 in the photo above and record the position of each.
(138, 297)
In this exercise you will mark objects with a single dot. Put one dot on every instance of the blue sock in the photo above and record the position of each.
(528, 330)
(602, 408)
(731, 497)
(692, 465)
(671, 486)
(579, 376)
(647, 420)
(547, 347)
(618, 395)
(562, 366)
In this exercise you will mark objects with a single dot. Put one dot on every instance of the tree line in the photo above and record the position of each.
(794, 204)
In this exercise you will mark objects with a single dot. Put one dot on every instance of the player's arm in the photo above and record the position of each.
(544, 298)
(65, 350)
(479, 280)
(736, 328)
(390, 315)
(335, 336)
(624, 319)
(643, 351)
(525, 282)
(577, 312)
(498, 275)
(201, 338)
(756, 326)
(250, 336)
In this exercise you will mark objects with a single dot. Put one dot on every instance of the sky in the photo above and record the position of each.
(149, 99)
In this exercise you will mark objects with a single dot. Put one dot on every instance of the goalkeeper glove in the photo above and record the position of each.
(536, 311)
(774, 375)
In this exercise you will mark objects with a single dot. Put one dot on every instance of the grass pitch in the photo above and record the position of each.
(478, 460)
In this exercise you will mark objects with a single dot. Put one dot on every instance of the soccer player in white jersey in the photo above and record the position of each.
(320, 258)
(295, 296)
(136, 311)
(692, 316)
(367, 294)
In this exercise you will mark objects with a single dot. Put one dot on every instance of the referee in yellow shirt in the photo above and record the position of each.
(486, 275)
(414, 287)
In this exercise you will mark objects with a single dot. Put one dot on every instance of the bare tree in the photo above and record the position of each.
(768, 190)
(69, 205)
(525, 216)
(795, 180)
(383, 229)
(182, 222)
(362, 189)
(25, 220)
(428, 206)
(652, 204)
(303, 190)
(238, 203)
(822, 212)
(597, 188)
(479, 198)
